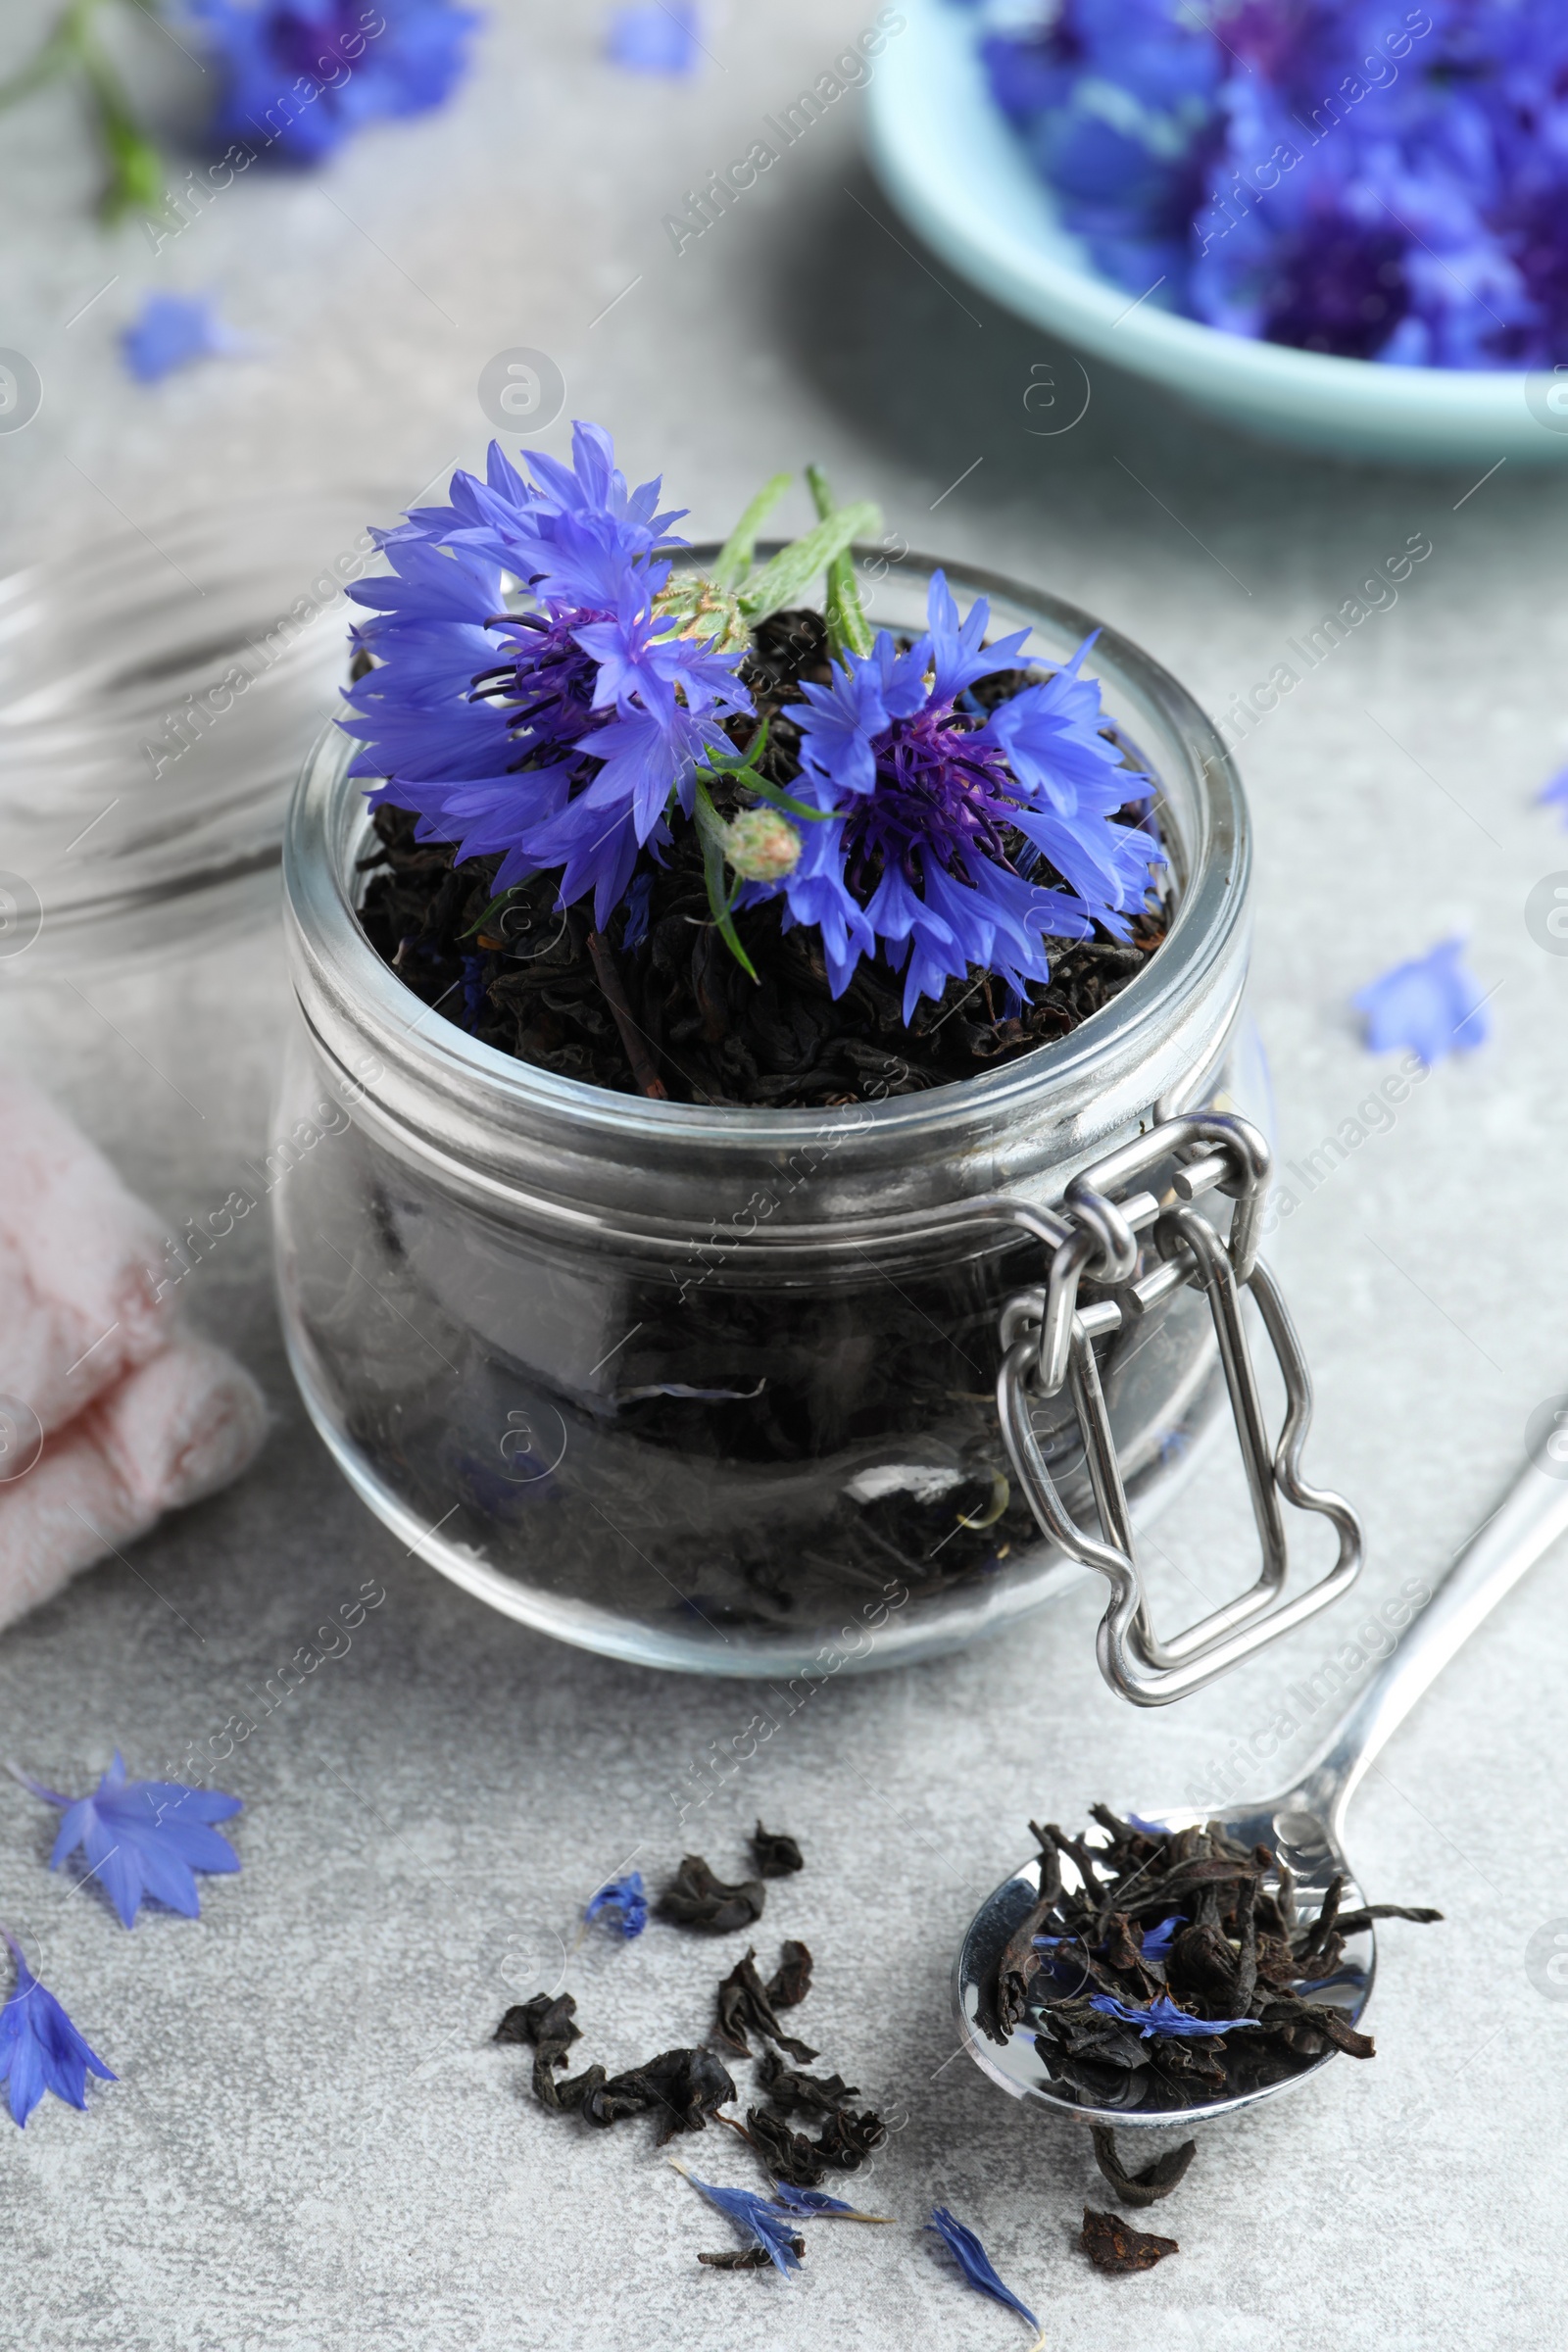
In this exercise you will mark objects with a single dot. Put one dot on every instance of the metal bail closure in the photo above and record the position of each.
(1048, 1342)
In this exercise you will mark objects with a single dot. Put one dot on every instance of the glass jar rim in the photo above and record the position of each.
(517, 1133)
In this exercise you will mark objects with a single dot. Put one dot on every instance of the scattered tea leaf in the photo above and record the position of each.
(1112, 2244)
(745, 2008)
(1154, 2181)
(695, 1898)
(802, 2094)
(791, 1981)
(776, 1855)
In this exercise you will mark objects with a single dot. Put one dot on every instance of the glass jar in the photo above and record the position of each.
(712, 1388)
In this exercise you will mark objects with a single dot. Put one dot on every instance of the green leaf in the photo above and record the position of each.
(848, 628)
(711, 826)
(777, 799)
(735, 556)
(796, 567)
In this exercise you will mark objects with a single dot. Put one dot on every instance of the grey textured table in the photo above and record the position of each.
(313, 2142)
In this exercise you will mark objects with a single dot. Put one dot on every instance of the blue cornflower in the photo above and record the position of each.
(938, 816)
(559, 737)
(302, 76)
(1162, 2015)
(1432, 1005)
(143, 1837)
(175, 330)
(41, 2048)
(654, 39)
(623, 1902)
(761, 2221)
(976, 2264)
(816, 2205)
(1158, 1940)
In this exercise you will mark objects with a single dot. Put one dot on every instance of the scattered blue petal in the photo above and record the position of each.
(651, 39)
(1151, 1829)
(300, 76)
(143, 1837)
(976, 2264)
(761, 2221)
(1432, 1006)
(1158, 1940)
(1162, 2015)
(1556, 793)
(623, 1902)
(41, 2048)
(816, 2205)
(175, 330)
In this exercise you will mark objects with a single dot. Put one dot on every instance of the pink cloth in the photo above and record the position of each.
(109, 1414)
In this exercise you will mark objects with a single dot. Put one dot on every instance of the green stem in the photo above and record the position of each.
(849, 630)
(135, 167)
(60, 51)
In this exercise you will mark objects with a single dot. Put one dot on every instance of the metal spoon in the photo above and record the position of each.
(1302, 1827)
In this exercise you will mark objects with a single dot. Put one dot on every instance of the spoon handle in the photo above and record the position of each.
(1531, 1519)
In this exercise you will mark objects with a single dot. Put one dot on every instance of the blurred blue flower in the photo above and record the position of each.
(976, 2264)
(623, 1902)
(173, 331)
(559, 737)
(1556, 793)
(1162, 2015)
(927, 799)
(143, 1837)
(302, 76)
(654, 39)
(1432, 1005)
(41, 2048)
(761, 2221)
(1317, 173)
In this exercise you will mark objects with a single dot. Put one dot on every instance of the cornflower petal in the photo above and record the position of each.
(976, 2265)
(40, 2049)
(1432, 1005)
(143, 1837)
(624, 1903)
(1162, 2015)
(756, 2215)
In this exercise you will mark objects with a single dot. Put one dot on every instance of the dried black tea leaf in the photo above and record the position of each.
(804, 2094)
(775, 1853)
(695, 1898)
(545, 2022)
(1154, 2181)
(791, 1981)
(680, 2088)
(750, 2258)
(790, 2156)
(744, 2007)
(1112, 2244)
(846, 2140)
(1176, 1970)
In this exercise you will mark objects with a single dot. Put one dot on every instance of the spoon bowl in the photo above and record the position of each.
(1029, 2068)
(1302, 1831)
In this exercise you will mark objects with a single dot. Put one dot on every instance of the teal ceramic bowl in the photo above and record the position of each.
(957, 173)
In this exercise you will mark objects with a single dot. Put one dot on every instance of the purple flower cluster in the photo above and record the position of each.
(935, 815)
(558, 737)
(1366, 178)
